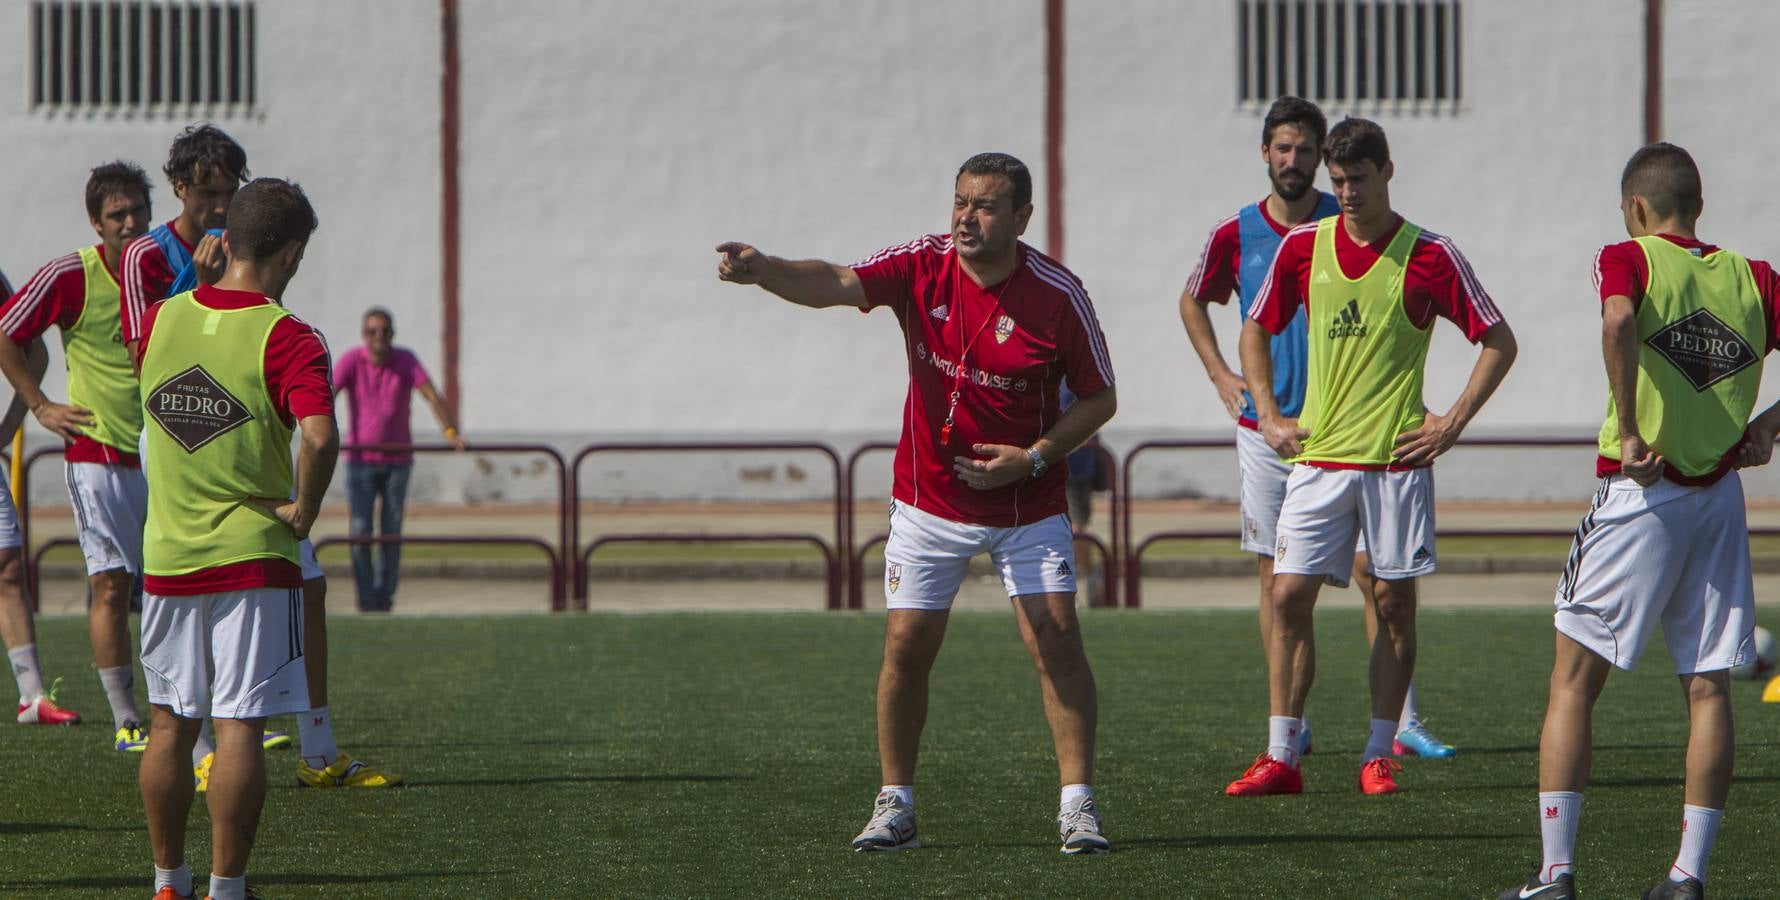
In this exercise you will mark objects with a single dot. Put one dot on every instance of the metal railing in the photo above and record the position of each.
(1121, 552)
(835, 554)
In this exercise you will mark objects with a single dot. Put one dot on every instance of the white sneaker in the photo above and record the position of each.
(891, 827)
(1079, 827)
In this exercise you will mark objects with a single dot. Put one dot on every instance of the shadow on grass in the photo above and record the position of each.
(1261, 840)
(1534, 748)
(688, 778)
(53, 827)
(138, 882)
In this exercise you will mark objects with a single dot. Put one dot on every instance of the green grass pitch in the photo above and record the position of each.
(695, 755)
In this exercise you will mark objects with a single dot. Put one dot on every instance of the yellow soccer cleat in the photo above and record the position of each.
(275, 740)
(345, 772)
(1771, 693)
(130, 738)
(201, 773)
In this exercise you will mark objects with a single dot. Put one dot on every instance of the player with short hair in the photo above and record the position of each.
(17, 629)
(1685, 325)
(229, 376)
(1371, 285)
(992, 328)
(1235, 258)
(79, 294)
(205, 166)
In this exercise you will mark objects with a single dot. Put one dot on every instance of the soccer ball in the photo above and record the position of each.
(1763, 663)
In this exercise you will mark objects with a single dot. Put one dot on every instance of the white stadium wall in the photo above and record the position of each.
(606, 146)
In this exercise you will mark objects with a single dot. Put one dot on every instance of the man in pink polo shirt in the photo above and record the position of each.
(379, 380)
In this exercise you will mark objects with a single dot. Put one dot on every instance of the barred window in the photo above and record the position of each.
(176, 57)
(1353, 53)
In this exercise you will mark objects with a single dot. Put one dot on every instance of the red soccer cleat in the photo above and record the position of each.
(44, 711)
(1379, 776)
(1267, 776)
(168, 893)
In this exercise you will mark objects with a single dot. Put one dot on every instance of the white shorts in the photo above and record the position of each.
(233, 655)
(1666, 553)
(110, 510)
(928, 557)
(1327, 510)
(306, 557)
(9, 519)
(1263, 475)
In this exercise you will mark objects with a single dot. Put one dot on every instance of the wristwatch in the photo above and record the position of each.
(1038, 462)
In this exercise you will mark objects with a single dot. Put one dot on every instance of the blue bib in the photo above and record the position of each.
(187, 279)
(1259, 243)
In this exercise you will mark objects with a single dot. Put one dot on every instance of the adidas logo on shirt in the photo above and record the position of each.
(1347, 323)
(1321, 278)
(941, 312)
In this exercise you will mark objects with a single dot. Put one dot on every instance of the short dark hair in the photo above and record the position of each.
(266, 215)
(202, 149)
(1667, 178)
(1357, 140)
(1296, 111)
(113, 179)
(379, 312)
(1001, 164)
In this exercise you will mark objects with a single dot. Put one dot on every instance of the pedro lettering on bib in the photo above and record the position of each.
(208, 470)
(1702, 332)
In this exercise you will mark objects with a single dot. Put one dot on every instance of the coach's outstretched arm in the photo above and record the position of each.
(806, 282)
(1255, 349)
(1438, 433)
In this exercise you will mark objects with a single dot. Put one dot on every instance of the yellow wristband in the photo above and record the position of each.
(450, 433)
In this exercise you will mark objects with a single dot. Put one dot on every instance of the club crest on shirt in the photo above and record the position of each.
(1004, 329)
(893, 577)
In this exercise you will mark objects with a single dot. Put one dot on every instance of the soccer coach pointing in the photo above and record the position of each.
(992, 329)
(228, 375)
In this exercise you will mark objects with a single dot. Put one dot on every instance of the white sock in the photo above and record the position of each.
(180, 879)
(1699, 831)
(315, 732)
(203, 746)
(26, 673)
(1559, 813)
(1071, 793)
(1410, 716)
(228, 888)
(904, 793)
(120, 684)
(1384, 731)
(1283, 733)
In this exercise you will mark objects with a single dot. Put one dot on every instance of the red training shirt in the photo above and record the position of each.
(1621, 270)
(1437, 280)
(1214, 277)
(56, 296)
(297, 382)
(1016, 342)
(147, 276)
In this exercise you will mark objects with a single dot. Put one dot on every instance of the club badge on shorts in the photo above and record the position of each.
(1004, 329)
(893, 577)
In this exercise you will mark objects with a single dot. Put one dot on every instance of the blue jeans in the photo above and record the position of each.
(366, 484)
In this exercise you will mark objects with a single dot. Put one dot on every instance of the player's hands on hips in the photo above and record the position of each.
(1639, 463)
(1283, 435)
(291, 513)
(208, 259)
(737, 263)
(62, 419)
(1436, 436)
(1004, 464)
(1757, 447)
(1230, 387)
